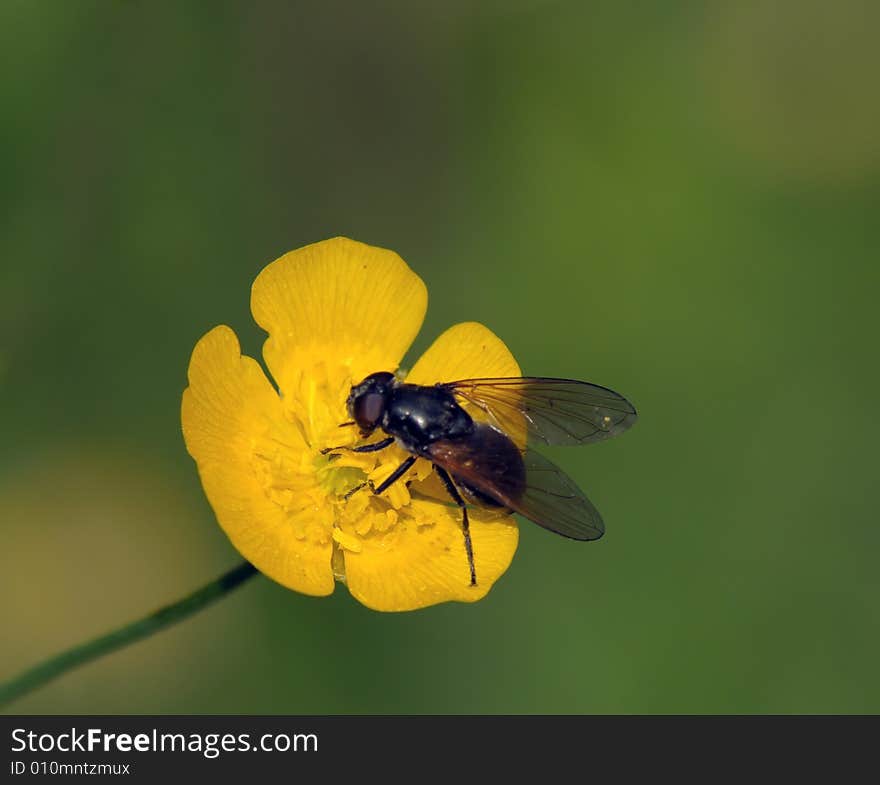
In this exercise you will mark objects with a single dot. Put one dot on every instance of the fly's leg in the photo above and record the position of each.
(387, 482)
(395, 475)
(465, 524)
(363, 448)
(356, 488)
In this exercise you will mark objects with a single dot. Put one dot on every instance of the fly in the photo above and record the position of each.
(481, 462)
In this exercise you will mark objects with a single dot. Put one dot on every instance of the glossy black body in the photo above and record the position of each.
(429, 422)
(418, 416)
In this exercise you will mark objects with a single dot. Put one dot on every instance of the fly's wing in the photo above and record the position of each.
(554, 411)
(553, 500)
(523, 481)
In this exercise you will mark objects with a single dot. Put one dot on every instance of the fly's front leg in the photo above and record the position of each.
(395, 475)
(387, 482)
(465, 524)
(363, 448)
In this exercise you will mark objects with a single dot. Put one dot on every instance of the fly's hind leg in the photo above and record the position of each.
(465, 524)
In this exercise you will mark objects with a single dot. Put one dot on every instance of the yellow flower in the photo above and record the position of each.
(335, 312)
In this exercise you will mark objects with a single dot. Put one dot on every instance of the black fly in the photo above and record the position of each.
(478, 462)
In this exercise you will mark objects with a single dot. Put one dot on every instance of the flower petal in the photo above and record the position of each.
(465, 351)
(356, 307)
(421, 560)
(228, 412)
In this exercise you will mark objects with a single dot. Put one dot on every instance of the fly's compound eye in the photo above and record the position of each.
(368, 410)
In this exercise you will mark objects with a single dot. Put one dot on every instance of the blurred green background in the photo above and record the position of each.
(676, 200)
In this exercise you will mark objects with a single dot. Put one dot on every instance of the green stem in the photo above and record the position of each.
(60, 664)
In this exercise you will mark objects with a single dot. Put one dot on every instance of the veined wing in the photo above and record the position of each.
(554, 411)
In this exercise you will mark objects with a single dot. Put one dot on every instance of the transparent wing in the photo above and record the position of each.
(554, 411)
(524, 481)
(553, 500)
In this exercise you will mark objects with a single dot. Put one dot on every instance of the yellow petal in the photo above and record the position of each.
(355, 307)
(421, 560)
(465, 351)
(232, 419)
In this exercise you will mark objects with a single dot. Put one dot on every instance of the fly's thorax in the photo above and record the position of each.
(419, 415)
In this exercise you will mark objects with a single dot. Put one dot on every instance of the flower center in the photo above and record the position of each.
(329, 496)
(335, 480)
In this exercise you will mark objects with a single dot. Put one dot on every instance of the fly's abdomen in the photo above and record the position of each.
(486, 464)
